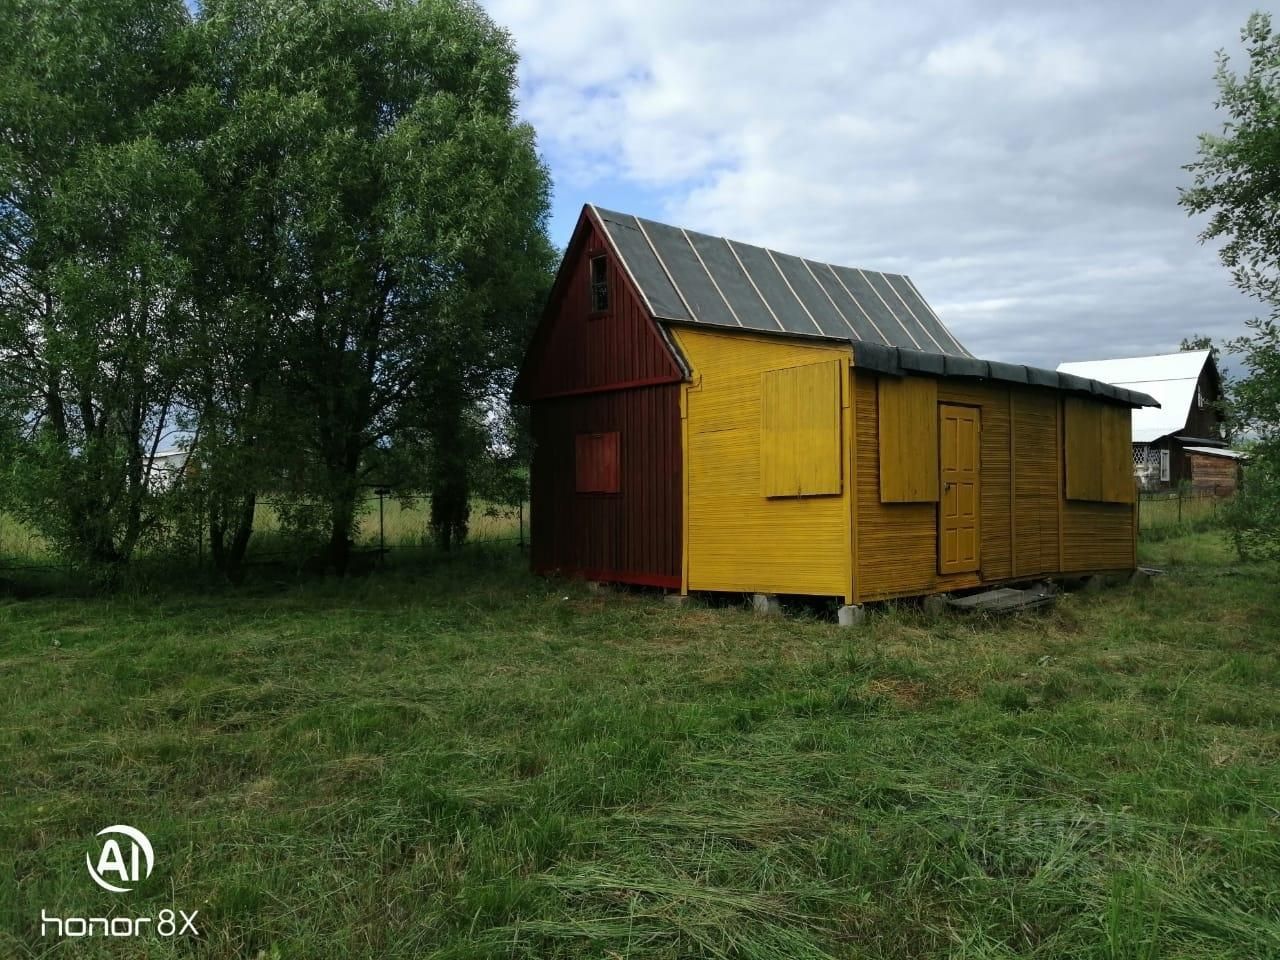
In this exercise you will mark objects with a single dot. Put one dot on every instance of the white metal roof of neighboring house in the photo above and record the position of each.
(1170, 378)
(1218, 452)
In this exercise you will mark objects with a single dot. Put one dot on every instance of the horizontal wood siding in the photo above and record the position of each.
(1037, 460)
(575, 350)
(1097, 536)
(897, 542)
(632, 535)
(739, 540)
(1028, 528)
(1211, 474)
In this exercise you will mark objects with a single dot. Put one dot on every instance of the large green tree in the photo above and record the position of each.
(1237, 184)
(93, 332)
(385, 211)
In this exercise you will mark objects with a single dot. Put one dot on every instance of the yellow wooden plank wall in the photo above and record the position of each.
(1097, 536)
(1028, 528)
(738, 539)
(908, 408)
(1035, 482)
(897, 542)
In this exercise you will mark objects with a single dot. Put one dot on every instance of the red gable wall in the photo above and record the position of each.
(577, 352)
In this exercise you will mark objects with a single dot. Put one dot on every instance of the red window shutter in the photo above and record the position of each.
(596, 465)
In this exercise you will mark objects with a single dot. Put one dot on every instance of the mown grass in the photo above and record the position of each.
(470, 762)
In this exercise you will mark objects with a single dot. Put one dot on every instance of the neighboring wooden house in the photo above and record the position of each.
(711, 415)
(1182, 441)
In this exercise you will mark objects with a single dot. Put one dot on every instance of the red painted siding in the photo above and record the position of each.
(577, 351)
(632, 535)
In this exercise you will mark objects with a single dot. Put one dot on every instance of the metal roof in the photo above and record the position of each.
(1169, 377)
(1217, 452)
(689, 277)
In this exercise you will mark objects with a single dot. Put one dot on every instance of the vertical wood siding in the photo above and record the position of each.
(738, 539)
(575, 350)
(632, 535)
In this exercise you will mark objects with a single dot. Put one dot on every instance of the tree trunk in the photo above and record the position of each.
(228, 554)
(450, 483)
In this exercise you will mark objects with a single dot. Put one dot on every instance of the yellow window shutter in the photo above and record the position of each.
(1098, 451)
(908, 408)
(800, 430)
(1117, 455)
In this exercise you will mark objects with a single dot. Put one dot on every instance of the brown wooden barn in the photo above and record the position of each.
(713, 415)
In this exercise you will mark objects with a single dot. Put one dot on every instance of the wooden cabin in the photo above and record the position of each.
(710, 415)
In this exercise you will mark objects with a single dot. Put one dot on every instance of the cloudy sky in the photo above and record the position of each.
(1021, 164)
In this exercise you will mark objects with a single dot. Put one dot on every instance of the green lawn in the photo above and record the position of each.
(471, 762)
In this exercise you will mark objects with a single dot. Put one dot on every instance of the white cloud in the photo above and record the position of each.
(1021, 163)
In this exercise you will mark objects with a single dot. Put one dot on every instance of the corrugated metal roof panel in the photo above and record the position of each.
(692, 277)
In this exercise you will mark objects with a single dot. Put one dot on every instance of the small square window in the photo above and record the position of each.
(599, 284)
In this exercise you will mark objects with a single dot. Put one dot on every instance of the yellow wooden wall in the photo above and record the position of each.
(1028, 527)
(736, 539)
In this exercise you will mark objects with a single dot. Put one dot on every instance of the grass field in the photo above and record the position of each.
(465, 761)
(402, 525)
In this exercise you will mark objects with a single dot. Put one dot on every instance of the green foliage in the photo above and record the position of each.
(1236, 185)
(93, 334)
(297, 237)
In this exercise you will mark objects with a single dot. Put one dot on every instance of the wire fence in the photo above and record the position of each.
(386, 523)
(1167, 512)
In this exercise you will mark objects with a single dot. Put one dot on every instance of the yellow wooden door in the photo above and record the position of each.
(959, 429)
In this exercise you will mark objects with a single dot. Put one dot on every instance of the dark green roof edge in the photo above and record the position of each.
(899, 361)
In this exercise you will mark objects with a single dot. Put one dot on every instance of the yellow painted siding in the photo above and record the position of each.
(1036, 505)
(897, 542)
(1028, 528)
(736, 538)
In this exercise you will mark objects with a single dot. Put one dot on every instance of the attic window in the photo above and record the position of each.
(599, 284)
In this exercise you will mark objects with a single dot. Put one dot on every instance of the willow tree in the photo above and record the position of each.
(93, 333)
(399, 202)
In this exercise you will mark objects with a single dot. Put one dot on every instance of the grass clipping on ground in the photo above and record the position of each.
(477, 763)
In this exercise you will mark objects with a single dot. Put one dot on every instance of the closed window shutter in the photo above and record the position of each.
(800, 431)
(1099, 461)
(596, 463)
(908, 439)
